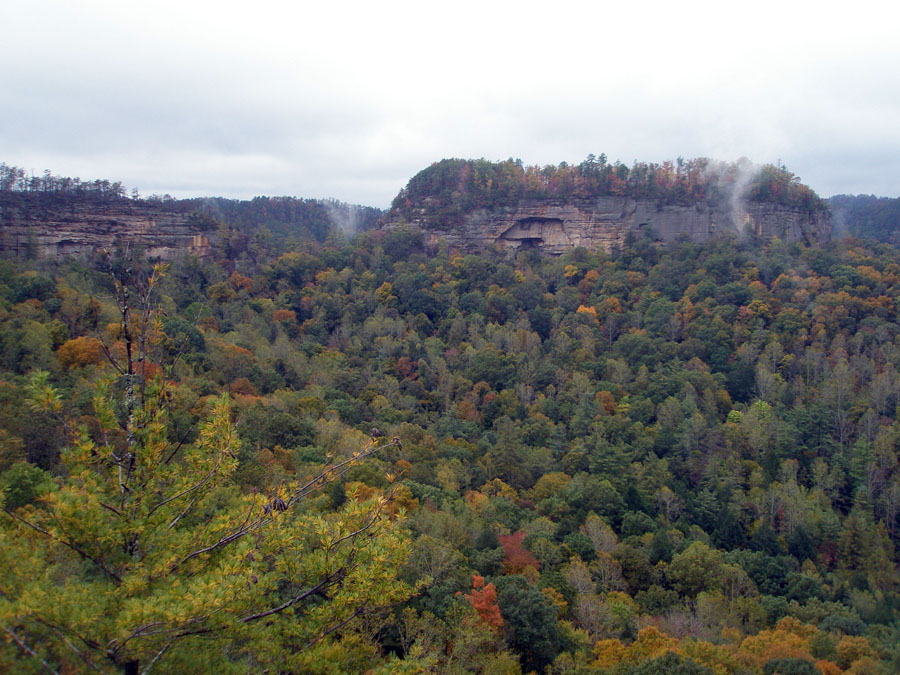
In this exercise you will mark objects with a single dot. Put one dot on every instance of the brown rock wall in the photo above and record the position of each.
(80, 228)
(555, 226)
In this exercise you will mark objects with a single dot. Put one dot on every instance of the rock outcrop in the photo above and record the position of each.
(70, 226)
(555, 226)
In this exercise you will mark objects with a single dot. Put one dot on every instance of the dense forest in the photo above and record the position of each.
(867, 216)
(362, 456)
(452, 187)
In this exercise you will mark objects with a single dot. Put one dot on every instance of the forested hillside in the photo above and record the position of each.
(679, 459)
(867, 216)
(450, 187)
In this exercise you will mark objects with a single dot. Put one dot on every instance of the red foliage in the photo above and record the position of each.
(517, 557)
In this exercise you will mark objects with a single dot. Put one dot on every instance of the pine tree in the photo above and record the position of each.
(148, 556)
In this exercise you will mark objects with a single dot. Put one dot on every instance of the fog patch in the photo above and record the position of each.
(344, 217)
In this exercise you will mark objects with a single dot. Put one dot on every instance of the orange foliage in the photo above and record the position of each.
(209, 323)
(477, 500)
(788, 640)
(484, 601)
(605, 399)
(610, 306)
(828, 668)
(608, 653)
(853, 648)
(407, 368)
(555, 598)
(233, 351)
(239, 281)
(585, 309)
(651, 642)
(149, 370)
(80, 352)
(466, 410)
(287, 315)
(242, 386)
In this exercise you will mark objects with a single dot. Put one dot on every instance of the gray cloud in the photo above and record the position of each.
(350, 99)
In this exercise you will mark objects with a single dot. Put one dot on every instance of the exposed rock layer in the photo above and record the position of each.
(556, 226)
(79, 227)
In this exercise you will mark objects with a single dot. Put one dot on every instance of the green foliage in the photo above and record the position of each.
(701, 438)
(790, 667)
(146, 547)
(669, 663)
(23, 484)
(530, 621)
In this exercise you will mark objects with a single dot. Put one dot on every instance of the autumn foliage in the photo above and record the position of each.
(80, 352)
(516, 556)
(484, 601)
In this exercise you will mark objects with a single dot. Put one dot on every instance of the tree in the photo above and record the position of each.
(530, 621)
(695, 569)
(484, 601)
(147, 547)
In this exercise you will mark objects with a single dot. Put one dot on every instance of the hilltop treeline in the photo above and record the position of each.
(675, 459)
(16, 180)
(269, 225)
(451, 187)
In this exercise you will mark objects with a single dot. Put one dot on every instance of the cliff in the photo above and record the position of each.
(63, 225)
(554, 226)
(474, 204)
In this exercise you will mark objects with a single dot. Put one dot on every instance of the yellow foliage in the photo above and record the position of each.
(828, 668)
(720, 659)
(556, 599)
(852, 648)
(864, 666)
(383, 292)
(478, 501)
(651, 642)
(586, 309)
(608, 653)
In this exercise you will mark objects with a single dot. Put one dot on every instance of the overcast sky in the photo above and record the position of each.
(349, 99)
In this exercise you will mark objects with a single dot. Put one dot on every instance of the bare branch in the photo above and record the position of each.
(178, 446)
(19, 641)
(375, 517)
(319, 589)
(67, 544)
(75, 649)
(316, 483)
(111, 508)
(157, 657)
(186, 491)
(183, 513)
(359, 610)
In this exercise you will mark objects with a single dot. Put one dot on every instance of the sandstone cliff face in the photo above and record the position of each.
(80, 227)
(556, 226)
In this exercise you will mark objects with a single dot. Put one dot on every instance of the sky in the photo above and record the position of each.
(348, 100)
